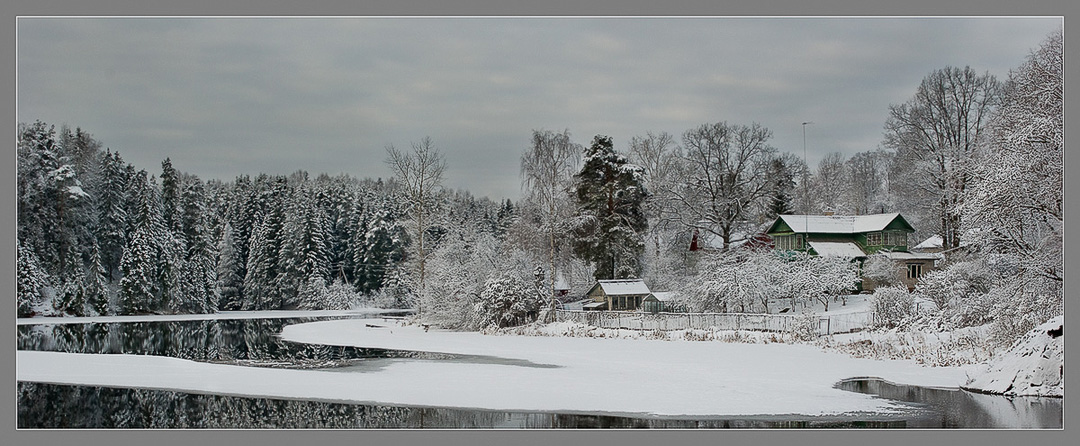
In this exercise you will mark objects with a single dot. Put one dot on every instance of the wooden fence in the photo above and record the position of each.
(628, 320)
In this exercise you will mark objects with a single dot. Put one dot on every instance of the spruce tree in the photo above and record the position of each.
(140, 286)
(97, 290)
(30, 282)
(303, 246)
(229, 279)
(610, 220)
(112, 216)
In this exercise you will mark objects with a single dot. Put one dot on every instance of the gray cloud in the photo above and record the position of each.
(224, 96)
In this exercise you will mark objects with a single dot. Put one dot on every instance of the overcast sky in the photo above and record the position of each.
(227, 96)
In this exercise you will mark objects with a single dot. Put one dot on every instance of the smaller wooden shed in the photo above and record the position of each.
(663, 302)
(619, 295)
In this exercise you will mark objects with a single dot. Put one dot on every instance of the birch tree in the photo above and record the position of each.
(419, 174)
(546, 172)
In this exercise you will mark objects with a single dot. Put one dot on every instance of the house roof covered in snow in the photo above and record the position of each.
(934, 242)
(622, 287)
(839, 224)
(899, 255)
(847, 250)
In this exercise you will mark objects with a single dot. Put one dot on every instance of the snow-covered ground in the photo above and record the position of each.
(1034, 366)
(567, 374)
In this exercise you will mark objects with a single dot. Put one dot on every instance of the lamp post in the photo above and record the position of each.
(806, 192)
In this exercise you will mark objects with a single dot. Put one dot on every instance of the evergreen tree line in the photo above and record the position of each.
(98, 236)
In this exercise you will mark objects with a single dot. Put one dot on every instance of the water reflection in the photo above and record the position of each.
(940, 408)
(62, 406)
(252, 342)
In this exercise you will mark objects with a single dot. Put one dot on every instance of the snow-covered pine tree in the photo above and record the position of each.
(171, 207)
(338, 197)
(261, 267)
(229, 280)
(71, 298)
(243, 219)
(263, 261)
(112, 226)
(97, 289)
(610, 221)
(30, 281)
(140, 290)
(303, 253)
(379, 245)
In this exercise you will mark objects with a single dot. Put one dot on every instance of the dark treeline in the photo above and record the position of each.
(98, 235)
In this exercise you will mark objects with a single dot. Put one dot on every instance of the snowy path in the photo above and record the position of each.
(591, 375)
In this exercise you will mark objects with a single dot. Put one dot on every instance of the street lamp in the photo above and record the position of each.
(806, 192)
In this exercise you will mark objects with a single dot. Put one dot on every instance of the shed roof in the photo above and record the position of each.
(622, 287)
(838, 224)
(665, 296)
(847, 250)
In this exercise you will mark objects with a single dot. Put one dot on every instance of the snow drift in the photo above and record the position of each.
(1033, 366)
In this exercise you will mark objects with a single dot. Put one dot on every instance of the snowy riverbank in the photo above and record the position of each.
(565, 374)
(1033, 366)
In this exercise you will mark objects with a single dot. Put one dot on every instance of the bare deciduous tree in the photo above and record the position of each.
(546, 171)
(420, 174)
(936, 135)
(723, 172)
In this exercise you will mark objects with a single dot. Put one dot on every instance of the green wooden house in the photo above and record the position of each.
(854, 237)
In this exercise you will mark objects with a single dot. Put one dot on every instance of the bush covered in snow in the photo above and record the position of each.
(882, 271)
(746, 281)
(892, 306)
(507, 301)
(1019, 306)
(960, 292)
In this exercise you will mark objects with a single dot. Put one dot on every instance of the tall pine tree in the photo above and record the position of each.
(610, 222)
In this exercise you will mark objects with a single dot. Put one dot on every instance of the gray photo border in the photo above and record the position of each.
(11, 9)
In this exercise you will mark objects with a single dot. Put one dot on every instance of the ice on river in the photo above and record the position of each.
(619, 376)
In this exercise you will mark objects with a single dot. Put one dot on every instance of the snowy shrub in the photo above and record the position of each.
(339, 296)
(394, 293)
(882, 271)
(805, 327)
(891, 306)
(738, 282)
(960, 292)
(1019, 306)
(312, 294)
(507, 300)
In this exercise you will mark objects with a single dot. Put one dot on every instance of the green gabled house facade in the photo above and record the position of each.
(855, 237)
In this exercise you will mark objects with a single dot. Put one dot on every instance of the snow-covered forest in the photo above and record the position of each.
(974, 160)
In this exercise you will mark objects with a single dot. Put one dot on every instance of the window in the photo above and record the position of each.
(914, 270)
(873, 239)
(789, 242)
(895, 238)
